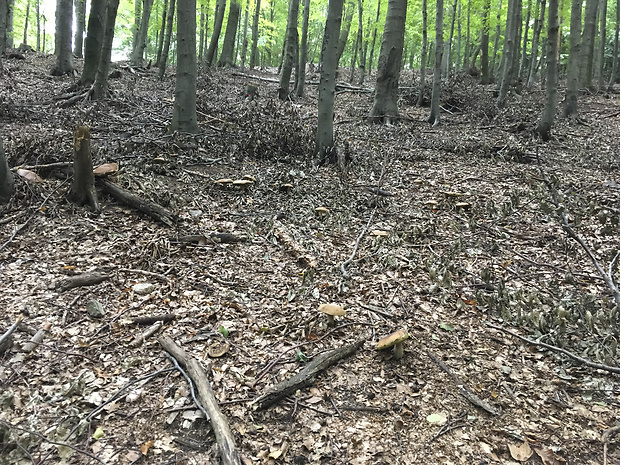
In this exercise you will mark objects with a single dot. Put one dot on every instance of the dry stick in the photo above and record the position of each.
(5, 337)
(37, 338)
(223, 434)
(606, 437)
(357, 243)
(570, 355)
(463, 388)
(139, 340)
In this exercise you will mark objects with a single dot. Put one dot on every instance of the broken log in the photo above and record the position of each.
(145, 206)
(306, 377)
(84, 279)
(223, 434)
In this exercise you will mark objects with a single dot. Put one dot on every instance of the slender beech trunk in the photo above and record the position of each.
(184, 114)
(614, 66)
(374, 37)
(64, 56)
(80, 26)
(244, 47)
(468, 37)
(38, 25)
(457, 62)
(162, 33)
(327, 84)
(254, 51)
(587, 49)
(217, 29)
(551, 90)
(363, 54)
(358, 39)
(385, 105)
(25, 41)
(94, 41)
(166, 50)
(424, 54)
(289, 53)
(228, 46)
(572, 71)
(538, 25)
(509, 50)
(303, 53)
(603, 36)
(201, 35)
(100, 87)
(447, 58)
(498, 33)
(434, 117)
(345, 28)
(524, 67)
(485, 77)
(137, 57)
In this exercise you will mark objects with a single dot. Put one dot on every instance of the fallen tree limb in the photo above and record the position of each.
(84, 279)
(6, 340)
(570, 355)
(145, 206)
(37, 338)
(306, 377)
(463, 388)
(198, 375)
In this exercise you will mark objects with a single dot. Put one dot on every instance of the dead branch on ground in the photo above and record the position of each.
(37, 338)
(6, 340)
(84, 279)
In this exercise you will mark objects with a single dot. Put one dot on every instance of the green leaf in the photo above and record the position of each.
(223, 331)
(446, 327)
(300, 356)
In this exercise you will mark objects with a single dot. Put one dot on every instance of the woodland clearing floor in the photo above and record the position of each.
(441, 271)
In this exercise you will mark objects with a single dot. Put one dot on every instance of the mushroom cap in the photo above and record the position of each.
(321, 210)
(394, 338)
(224, 181)
(249, 177)
(332, 309)
(106, 168)
(242, 182)
(379, 232)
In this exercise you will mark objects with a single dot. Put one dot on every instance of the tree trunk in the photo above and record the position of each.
(64, 57)
(345, 28)
(423, 57)
(587, 49)
(614, 66)
(538, 25)
(228, 47)
(498, 33)
(94, 40)
(551, 91)
(10, 23)
(254, 50)
(303, 54)
(289, 54)
(524, 66)
(38, 26)
(603, 36)
(137, 57)
(217, 29)
(4, 13)
(434, 117)
(457, 62)
(509, 50)
(374, 37)
(25, 41)
(447, 65)
(137, 15)
(83, 187)
(485, 77)
(184, 116)
(162, 33)
(572, 71)
(100, 87)
(6, 175)
(164, 53)
(358, 40)
(385, 106)
(327, 85)
(362, 61)
(80, 26)
(467, 52)
(244, 47)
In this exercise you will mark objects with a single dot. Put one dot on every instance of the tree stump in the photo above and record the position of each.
(6, 178)
(83, 188)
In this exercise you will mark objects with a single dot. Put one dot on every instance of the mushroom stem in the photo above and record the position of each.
(399, 349)
(331, 322)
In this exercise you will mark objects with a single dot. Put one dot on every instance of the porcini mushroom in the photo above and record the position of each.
(396, 340)
(331, 310)
(242, 183)
(321, 212)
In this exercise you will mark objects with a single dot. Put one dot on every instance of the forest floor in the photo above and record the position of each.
(94, 387)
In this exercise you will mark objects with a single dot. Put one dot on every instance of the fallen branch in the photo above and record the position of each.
(574, 357)
(606, 438)
(306, 377)
(37, 338)
(344, 264)
(84, 279)
(295, 248)
(147, 320)
(198, 375)
(139, 340)
(6, 340)
(145, 206)
(463, 388)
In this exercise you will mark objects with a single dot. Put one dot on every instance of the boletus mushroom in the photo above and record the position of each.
(395, 340)
(331, 310)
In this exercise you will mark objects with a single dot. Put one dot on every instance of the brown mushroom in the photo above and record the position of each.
(394, 340)
(331, 310)
(321, 212)
(242, 183)
(105, 169)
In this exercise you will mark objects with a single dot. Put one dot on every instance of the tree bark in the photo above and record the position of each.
(244, 46)
(228, 47)
(603, 36)
(587, 48)
(80, 26)
(184, 116)
(498, 33)
(83, 187)
(217, 29)
(137, 57)
(94, 41)
(374, 37)
(467, 52)
(6, 176)
(137, 16)
(162, 33)
(423, 58)
(254, 51)
(289, 51)
(303, 53)
(614, 66)
(485, 77)
(447, 56)
(25, 41)
(358, 40)
(523, 68)
(551, 91)
(385, 106)
(506, 79)
(164, 53)
(538, 25)
(434, 117)
(345, 28)
(64, 57)
(100, 87)
(572, 71)
(327, 84)
(4, 18)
